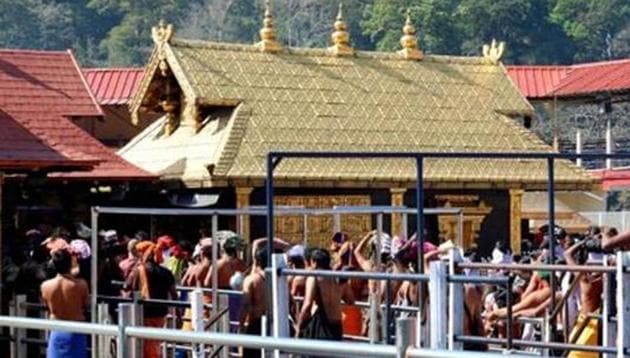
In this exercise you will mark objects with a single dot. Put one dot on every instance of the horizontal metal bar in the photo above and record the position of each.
(430, 353)
(58, 325)
(449, 155)
(537, 267)
(535, 344)
(277, 212)
(356, 275)
(187, 288)
(364, 304)
(478, 279)
(290, 345)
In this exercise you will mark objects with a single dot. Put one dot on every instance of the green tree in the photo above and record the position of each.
(590, 22)
(129, 42)
(525, 26)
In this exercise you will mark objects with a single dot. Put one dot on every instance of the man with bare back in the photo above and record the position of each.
(254, 301)
(320, 317)
(66, 298)
(586, 329)
(227, 265)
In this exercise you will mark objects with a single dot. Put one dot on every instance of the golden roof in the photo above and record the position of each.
(314, 100)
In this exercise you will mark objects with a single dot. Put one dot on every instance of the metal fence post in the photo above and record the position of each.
(405, 335)
(18, 346)
(125, 318)
(196, 307)
(137, 319)
(280, 300)
(455, 305)
(224, 323)
(373, 327)
(438, 301)
(623, 303)
(103, 318)
(608, 337)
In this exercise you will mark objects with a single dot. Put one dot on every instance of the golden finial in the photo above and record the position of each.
(341, 37)
(493, 52)
(409, 41)
(162, 33)
(268, 42)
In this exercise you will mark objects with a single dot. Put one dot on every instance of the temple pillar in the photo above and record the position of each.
(516, 210)
(397, 199)
(242, 202)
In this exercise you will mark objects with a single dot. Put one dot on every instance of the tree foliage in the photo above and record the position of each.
(117, 32)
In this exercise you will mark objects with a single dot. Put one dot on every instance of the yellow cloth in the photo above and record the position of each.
(588, 337)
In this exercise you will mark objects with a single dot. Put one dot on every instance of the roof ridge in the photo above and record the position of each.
(33, 51)
(106, 69)
(86, 85)
(323, 52)
(601, 63)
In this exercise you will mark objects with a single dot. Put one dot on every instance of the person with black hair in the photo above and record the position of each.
(66, 297)
(254, 301)
(227, 265)
(321, 317)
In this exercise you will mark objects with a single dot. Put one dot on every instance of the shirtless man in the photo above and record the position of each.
(320, 317)
(66, 298)
(591, 288)
(227, 265)
(254, 301)
(195, 277)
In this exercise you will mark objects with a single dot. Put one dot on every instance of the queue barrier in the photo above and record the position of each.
(125, 333)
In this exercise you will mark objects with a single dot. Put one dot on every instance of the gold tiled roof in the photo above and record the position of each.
(308, 99)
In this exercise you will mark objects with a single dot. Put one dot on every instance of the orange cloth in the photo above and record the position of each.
(352, 320)
(151, 348)
(147, 249)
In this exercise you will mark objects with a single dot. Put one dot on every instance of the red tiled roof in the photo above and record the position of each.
(610, 76)
(613, 178)
(537, 81)
(21, 150)
(39, 91)
(566, 81)
(113, 85)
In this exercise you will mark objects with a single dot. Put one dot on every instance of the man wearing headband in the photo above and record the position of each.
(154, 282)
(585, 331)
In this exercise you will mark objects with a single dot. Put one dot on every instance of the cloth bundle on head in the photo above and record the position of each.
(229, 240)
(296, 251)
(83, 231)
(385, 243)
(166, 241)
(207, 241)
(80, 248)
(109, 237)
(55, 243)
(147, 250)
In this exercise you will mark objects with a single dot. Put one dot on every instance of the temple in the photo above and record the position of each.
(224, 106)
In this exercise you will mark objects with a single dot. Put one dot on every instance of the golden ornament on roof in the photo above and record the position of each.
(268, 41)
(493, 52)
(341, 37)
(409, 41)
(162, 33)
